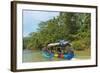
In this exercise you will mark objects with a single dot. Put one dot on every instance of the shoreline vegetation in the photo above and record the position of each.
(74, 27)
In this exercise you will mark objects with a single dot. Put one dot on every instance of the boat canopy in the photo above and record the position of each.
(58, 43)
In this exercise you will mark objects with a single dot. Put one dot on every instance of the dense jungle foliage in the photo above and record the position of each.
(73, 27)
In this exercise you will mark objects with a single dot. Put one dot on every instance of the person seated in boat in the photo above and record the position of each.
(68, 49)
(60, 51)
(45, 49)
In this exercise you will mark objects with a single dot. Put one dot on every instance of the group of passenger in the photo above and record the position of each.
(58, 49)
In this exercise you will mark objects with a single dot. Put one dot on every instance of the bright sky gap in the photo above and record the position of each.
(31, 19)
